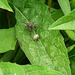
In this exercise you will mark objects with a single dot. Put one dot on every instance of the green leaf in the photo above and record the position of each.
(4, 5)
(7, 56)
(71, 34)
(65, 6)
(70, 48)
(20, 58)
(1, 72)
(72, 52)
(64, 23)
(43, 1)
(72, 65)
(57, 14)
(49, 50)
(7, 40)
(11, 69)
(52, 10)
(39, 70)
(72, 2)
(34, 50)
(72, 60)
(14, 69)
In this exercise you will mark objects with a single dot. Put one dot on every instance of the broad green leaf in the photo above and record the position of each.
(72, 2)
(20, 58)
(1, 72)
(11, 69)
(70, 48)
(7, 39)
(71, 34)
(72, 60)
(72, 52)
(52, 10)
(66, 26)
(8, 56)
(39, 70)
(64, 23)
(57, 14)
(4, 5)
(72, 65)
(43, 1)
(34, 50)
(49, 50)
(65, 6)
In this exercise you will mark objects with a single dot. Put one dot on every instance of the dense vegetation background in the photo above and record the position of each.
(53, 53)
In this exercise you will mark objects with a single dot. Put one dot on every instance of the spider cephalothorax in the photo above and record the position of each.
(30, 26)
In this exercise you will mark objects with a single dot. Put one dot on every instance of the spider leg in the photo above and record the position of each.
(33, 29)
(30, 31)
(24, 23)
(36, 25)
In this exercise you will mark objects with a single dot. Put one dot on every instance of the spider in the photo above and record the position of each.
(31, 27)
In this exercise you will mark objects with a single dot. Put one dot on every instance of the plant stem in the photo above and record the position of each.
(49, 4)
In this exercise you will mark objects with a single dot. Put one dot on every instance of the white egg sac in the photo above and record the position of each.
(36, 37)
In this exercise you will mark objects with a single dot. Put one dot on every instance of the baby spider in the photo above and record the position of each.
(31, 27)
